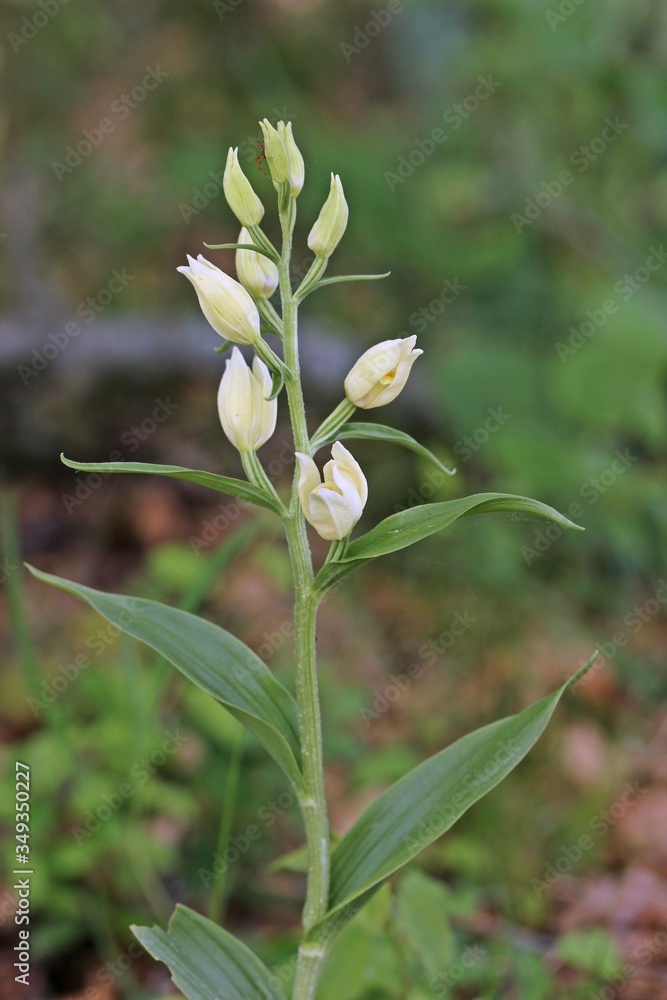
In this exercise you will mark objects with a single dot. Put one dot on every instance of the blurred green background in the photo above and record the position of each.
(508, 163)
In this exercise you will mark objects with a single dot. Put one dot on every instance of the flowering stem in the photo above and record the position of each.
(312, 799)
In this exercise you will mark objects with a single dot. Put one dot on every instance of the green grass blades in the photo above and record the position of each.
(212, 658)
(425, 803)
(206, 962)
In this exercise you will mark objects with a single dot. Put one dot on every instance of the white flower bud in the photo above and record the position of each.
(334, 506)
(256, 272)
(381, 372)
(283, 156)
(275, 152)
(295, 165)
(247, 417)
(225, 303)
(239, 193)
(328, 231)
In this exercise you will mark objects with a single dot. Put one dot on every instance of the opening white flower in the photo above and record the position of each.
(381, 372)
(248, 418)
(332, 506)
(225, 303)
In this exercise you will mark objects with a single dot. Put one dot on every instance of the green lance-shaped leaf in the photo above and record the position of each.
(379, 432)
(223, 484)
(212, 658)
(207, 963)
(428, 800)
(410, 526)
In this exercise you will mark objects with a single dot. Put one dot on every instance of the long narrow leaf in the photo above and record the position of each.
(428, 800)
(380, 432)
(210, 657)
(223, 484)
(412, 525)
(207, 963)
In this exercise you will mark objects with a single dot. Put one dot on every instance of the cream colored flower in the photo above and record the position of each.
(381, 372)
(256, 272)
(225, 303)
(239, 192)
(247, 417)
(334, 506)
(331, 223)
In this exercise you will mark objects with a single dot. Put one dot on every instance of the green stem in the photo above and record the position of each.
(312, 800)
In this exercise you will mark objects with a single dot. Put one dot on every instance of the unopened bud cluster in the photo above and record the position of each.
(331, 503)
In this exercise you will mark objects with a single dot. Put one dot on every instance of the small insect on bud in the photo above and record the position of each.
(224, 302)
(381, 372)
(334, 506)
(248, 418)
(275, 152)
(239, 193)
(328, 231)
(256, 272)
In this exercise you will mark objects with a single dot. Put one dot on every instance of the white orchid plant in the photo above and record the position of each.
(342, 875)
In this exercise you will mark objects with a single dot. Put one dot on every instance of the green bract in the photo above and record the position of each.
(206, 962)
